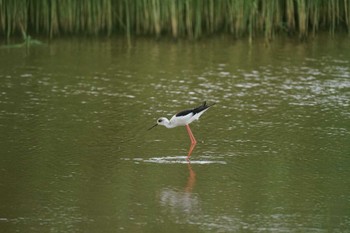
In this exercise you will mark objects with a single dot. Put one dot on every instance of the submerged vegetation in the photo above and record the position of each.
(178, 18)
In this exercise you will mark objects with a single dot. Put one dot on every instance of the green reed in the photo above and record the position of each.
(177, 18)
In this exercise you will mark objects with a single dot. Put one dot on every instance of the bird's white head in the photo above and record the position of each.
(161, 121)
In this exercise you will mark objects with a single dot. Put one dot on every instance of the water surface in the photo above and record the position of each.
(272, 154)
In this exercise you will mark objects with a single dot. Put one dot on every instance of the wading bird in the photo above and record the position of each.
(184, 118)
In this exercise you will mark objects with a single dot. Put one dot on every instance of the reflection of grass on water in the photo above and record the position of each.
(178, 18)
(27, 41)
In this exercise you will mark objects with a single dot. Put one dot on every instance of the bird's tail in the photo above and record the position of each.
(206, 105)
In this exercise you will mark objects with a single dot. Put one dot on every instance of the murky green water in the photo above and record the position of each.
(273, 154)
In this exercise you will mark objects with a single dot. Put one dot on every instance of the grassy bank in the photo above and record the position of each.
(177, 18)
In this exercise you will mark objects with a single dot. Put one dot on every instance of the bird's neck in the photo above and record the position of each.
(168, 124)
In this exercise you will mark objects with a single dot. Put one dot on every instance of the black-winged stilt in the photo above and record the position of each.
(184, 118)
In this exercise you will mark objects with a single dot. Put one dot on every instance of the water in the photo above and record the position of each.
(272, 154)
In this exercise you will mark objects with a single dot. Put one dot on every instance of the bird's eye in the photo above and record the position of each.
(160, 120)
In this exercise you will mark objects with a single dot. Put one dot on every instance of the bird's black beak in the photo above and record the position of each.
(153, 126)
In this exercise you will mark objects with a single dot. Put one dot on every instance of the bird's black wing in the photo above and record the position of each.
(194, 110)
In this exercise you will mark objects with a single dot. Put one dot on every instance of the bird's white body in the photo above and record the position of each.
(180, 120)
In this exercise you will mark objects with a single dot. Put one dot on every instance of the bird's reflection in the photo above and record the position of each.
(191, 179)
(181, 201)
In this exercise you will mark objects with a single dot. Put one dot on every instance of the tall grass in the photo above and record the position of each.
(177, 18)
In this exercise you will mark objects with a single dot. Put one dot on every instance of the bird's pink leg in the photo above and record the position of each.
(190, 151)
(193, 140)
